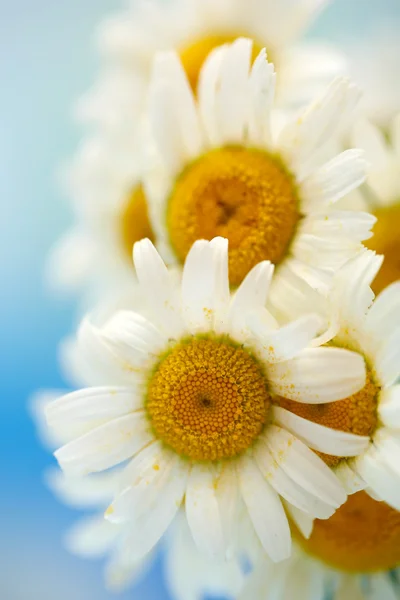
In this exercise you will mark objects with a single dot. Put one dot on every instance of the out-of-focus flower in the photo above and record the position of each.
(189, 400)
(372, 328)
(347, 557)
(382, 194)
(95, 256)
(373, 62)
(222, 172)
(193, 28)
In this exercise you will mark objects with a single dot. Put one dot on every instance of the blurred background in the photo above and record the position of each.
(47, 59)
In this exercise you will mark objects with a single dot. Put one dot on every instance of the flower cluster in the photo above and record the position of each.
(237, 395)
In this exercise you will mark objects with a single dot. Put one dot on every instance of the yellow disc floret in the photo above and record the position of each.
(362, 536)
(194, 55)
(208, 399)
(356, 414)
(386, 241)
(242, 194)
(135, 224)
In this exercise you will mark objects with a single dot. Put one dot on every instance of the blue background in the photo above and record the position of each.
(47, 58)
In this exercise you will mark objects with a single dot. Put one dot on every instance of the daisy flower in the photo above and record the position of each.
(370, 327)
(111, 215)
(193, 28)
(354, 555)
(222, 172)
(189, 404)
(382, 194)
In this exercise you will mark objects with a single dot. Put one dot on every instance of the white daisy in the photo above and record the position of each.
(189, 402)
(351, 556)
(221, 172)
(371, 328)
(111, 214)
(382, 194)
(193, 28)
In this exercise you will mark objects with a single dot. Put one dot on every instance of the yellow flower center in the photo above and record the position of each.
(194, 55)
(356, 414)
(362, 536)
(135, 224)
(386, 241)
(242, 194)
(208, 399)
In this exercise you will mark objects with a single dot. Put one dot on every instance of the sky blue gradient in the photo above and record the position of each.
(47, 59)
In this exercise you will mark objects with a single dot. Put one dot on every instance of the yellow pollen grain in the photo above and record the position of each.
(135, 224)
(208, 399)
(386, 241)
(362, 536)
(356, 414)
(239, 193)
(194, 54)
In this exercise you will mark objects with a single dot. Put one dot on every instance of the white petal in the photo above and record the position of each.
(384, 314)
(262, 91)
(387, 442)
(83, 492)
(173, 113)
(352, 225)
(205, 284)
(144, 534)
(389, 406)
(158, 288)
(233, 91)
(313, 376)
(120, 574)
(265, 511)
(134, 339)
(351, 482)
(304, 466)
(387, 359)
(333, 181)
(302, 520)
(351, 289)
(227, 493)
(141, 483)
(101, 357)
(309, 133)
(286, 342)
(318, 437)
(379, 477)
(91, 537)
(105, 446)
(381, 587)
(286, 487)
(93, 405)
(71, 261)
(251, 294)
(208, 92)
(202, 511)
(349, 588)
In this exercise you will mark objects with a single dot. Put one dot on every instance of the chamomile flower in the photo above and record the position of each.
(222, 172)
(111, 215)
(190, 404)
(193, 28)
(371, 328)
(382, 194)
(354, 555)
